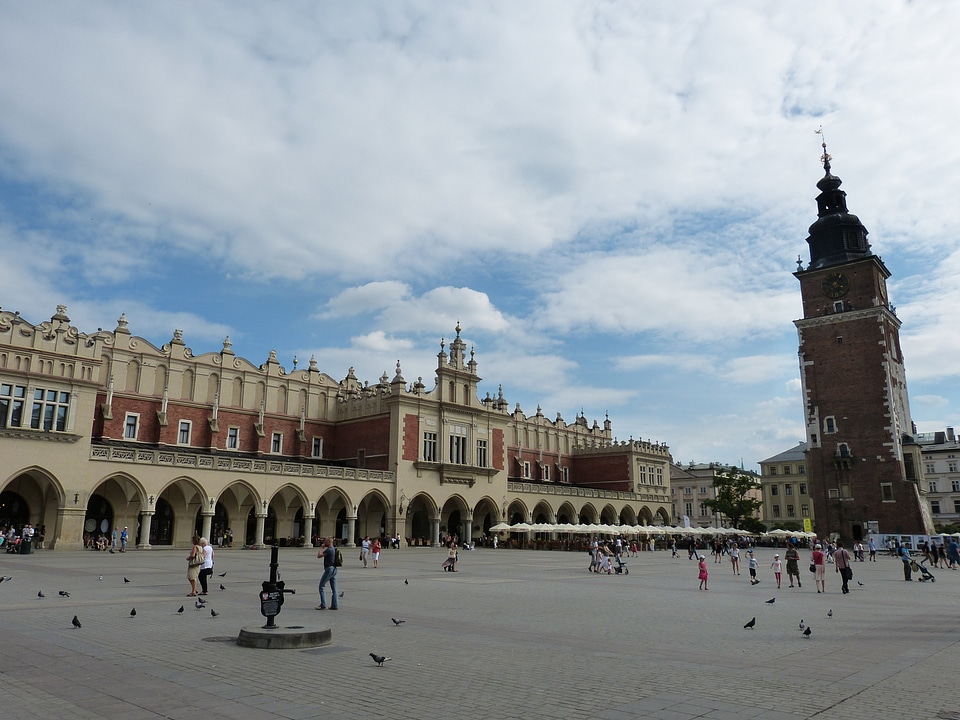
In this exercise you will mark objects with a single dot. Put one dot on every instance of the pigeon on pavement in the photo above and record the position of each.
(406, 582)
(223, 574)
(76, 622)
(397, 621)
(751, 624)
(830, 612)
(771, 601)
(806, 633)
(379, 659)
(4, 578)
(133, 613)
(222, 587)
(125, 580)
(64, 593)
(213, 613)
(801, 624)
(180, 611)
(40, 593)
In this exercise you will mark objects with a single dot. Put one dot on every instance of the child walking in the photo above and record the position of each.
(703, 573)
(752, 565)
(777, 568)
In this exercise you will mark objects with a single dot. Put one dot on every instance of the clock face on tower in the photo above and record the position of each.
(835, 285)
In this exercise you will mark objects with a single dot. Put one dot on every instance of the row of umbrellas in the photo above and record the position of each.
(595, 529)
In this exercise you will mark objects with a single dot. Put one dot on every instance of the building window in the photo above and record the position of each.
(49, 410)
(458, 444)
(929, 467)
(703, 490)
(790, 511)
(704, 510)
(786, 469)
(788, 489)
(843, 450)
(829, 425)
(833, 493)
(11, 405)
(886, 492)
(931, 486)
(776, 511)
(951, 467)
(642, 474)
(954, 484)
(803, 488)
(804, 510)
(565, 474)
(317, 449)
(774, 490)
(801, 469)
(233, 438)
(688, 491)
(660, 476)
(183, 435)
(956, 506)
(276, 443)
(688, 509)
(481, 453)
(545, 473)
(526, 470)
(935, 507)
(131, 426)
(430, 447)
(458, 449)
(773, 469)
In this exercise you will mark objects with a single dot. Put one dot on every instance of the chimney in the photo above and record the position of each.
(950, 436)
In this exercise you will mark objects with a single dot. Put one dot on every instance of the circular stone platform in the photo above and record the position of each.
(292, 637)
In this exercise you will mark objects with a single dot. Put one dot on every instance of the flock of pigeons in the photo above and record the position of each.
(805, 629)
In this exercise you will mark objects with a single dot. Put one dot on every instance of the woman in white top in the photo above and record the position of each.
(206, 569)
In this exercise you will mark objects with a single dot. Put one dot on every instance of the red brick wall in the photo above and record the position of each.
(411, 437)
(372, 436)
(609, 472)
(496, 451)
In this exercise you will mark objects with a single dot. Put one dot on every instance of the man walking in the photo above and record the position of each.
(841, 563)
(329, 554)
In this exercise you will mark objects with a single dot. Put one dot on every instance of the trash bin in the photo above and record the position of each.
(26, 546)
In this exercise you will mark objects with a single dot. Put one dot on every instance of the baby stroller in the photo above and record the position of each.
(924, 573)
(621, 567)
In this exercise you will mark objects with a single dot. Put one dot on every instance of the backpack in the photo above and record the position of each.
(338, 559)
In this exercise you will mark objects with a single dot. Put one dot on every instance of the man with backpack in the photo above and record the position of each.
(332, 560)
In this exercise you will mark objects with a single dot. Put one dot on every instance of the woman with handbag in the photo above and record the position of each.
(194, 561)
(818, 563)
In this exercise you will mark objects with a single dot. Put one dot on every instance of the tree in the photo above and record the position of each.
(732, 488)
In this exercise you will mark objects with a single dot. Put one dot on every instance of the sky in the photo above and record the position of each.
(609, 197)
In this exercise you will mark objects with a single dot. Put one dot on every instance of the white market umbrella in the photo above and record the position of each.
(500, 527)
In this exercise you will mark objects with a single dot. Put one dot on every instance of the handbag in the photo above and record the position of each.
(813, 568)
(195, 560)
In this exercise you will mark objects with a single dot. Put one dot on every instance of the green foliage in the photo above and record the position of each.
(948, 528)
(790, 525)
(753, 525)
(732, 487)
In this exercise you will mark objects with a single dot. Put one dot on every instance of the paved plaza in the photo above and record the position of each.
(514, 634)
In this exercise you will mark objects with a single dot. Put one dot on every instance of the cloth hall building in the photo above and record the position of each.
(105, 430)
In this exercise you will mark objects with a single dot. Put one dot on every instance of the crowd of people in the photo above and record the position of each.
(13, 541)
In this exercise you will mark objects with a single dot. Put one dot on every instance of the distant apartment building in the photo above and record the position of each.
(941, 465)
(786, 489)
(691, 486)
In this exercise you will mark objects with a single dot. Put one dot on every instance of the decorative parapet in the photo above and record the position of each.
(182, 459)
(617, 447)
(585, 492)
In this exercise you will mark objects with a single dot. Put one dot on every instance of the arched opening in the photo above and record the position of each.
(221, 522)
(14, 510)
(161, 526)
(342, 528)
(98, 520)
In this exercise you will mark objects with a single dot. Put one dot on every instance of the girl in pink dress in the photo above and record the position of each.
(703, 573)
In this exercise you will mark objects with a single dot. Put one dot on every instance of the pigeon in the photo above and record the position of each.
(406, 582)
(859, 583)
(100, 578)
(133, 613)
(4, 578)
(806, 633)
(213, 613)
(771, 601)
(64, 593)
(379, 659)
(180, 611)
(40, 593)
(397, 621)
(198, 605)
(801, 624)
(751, 624)
(125, 580)
(341, 594)
(830, 612)
(223, 574)
(76, 622)
(201, 601)
(222, 587)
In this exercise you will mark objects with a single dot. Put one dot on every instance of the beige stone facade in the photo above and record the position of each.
(104, 430)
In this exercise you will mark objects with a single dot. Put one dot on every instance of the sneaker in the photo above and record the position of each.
(335, 608)
(321, 607)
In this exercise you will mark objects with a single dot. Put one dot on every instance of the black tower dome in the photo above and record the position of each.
(837, 236)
